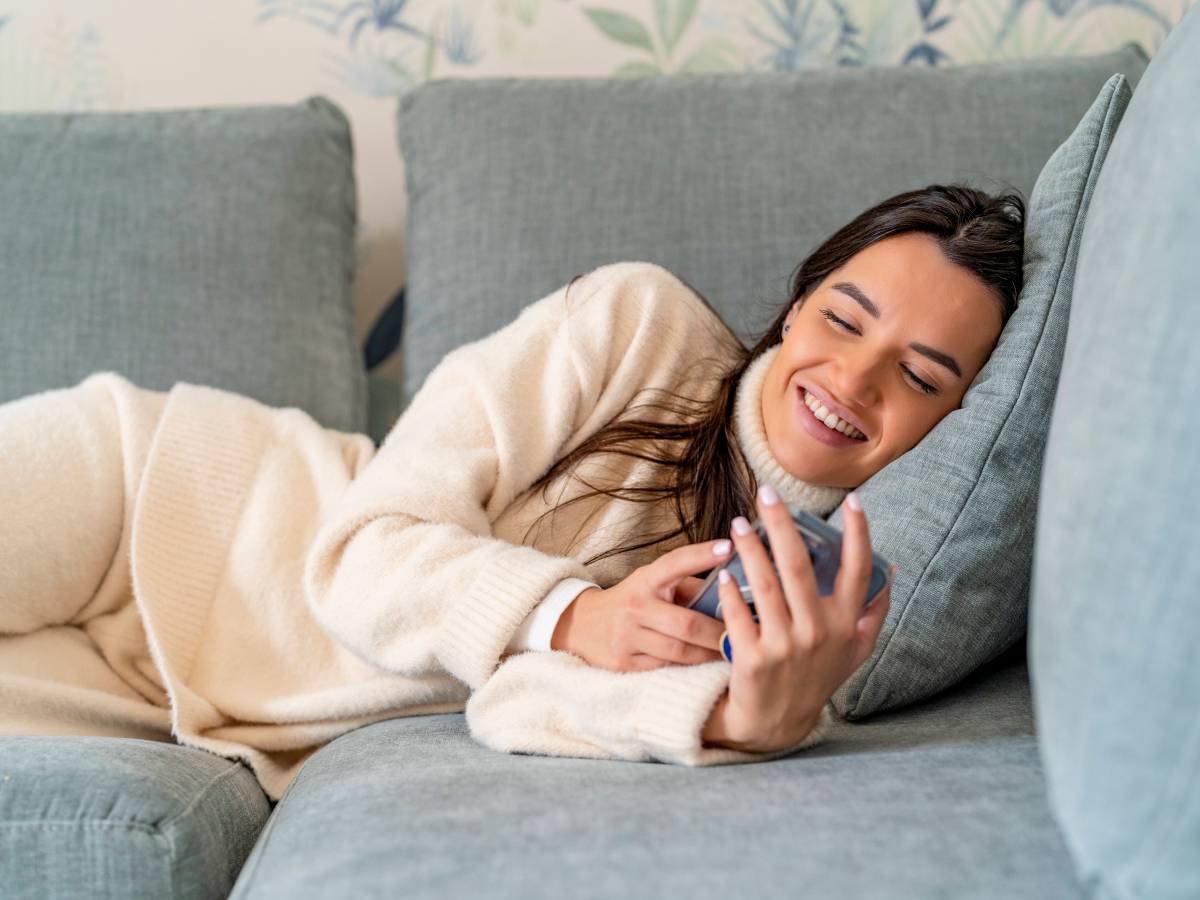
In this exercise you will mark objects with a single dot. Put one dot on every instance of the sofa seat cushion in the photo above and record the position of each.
(106, 817)
(940, 799)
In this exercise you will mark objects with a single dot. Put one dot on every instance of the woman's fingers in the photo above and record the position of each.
(689, 586)
(675, 650)
(854, 573)
(739, 624)
(792, 561)
(679, 623)
(689, 559)
(760, 576)
(640, 662)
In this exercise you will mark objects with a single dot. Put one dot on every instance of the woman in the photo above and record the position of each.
(197, 565)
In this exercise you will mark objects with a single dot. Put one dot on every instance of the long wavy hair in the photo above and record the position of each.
(697, 461)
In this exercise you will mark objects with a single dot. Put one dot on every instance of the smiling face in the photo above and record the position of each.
(867, 374)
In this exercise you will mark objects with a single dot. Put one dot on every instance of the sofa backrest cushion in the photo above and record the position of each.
(1115, 605)
(516, 185)
(214, 246)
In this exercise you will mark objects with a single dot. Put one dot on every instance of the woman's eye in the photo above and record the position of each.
(922, 385)
(832, 318)
(926, 388)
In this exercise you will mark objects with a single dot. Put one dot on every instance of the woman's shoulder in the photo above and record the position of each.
(646, 290)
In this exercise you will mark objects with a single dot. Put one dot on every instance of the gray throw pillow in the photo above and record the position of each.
(957, 513)
(214, 246)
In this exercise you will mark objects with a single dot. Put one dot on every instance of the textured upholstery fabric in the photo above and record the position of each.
(214, 246)
(944, 799)
(1114, 618)
(103, 817)
(517, 185)
(957, 512)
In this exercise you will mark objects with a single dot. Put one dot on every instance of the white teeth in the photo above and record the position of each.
(829, 419)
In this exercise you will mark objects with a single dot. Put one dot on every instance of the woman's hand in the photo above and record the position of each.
(638, 624)
(786, 666)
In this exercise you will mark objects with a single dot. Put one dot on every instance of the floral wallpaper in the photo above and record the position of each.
(363, 54)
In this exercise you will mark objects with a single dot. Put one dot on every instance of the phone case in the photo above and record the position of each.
(824, 548)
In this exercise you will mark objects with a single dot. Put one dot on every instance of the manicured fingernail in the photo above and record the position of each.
(741, 525)
(767, 495)
(720, 548)
(723, 576)
(853, 501)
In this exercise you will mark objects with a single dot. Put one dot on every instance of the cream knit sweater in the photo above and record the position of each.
(294, 583)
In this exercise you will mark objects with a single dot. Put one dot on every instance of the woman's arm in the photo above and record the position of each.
(406, 572)
(555, 704)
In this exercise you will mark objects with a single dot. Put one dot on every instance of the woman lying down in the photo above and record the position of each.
(196, 566)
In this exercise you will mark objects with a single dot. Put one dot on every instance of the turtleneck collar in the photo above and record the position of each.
(820, 500)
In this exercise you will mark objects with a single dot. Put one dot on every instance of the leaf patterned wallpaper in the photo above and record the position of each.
(363, 54)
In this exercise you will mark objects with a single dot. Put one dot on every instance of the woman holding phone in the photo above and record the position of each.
(250, 583)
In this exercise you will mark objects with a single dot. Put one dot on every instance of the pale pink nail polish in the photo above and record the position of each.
(768, 495)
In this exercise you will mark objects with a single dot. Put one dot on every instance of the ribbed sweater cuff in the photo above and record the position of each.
(481, 623)
(672, 713)
(177, 557)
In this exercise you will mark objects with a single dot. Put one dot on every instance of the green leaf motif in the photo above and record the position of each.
(527, 11)
(708, 57)
(621, 27)
(683, 16)
(430, 55)
(638, 69)
(662, 13)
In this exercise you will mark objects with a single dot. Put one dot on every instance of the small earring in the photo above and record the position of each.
(785, 328)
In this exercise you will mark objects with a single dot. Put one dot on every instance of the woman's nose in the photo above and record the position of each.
(857, 383)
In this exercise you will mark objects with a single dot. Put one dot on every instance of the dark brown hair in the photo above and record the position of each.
(707, 479)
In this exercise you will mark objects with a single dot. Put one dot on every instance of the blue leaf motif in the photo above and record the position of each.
(382, 15)
(931, 54)
(456, 40)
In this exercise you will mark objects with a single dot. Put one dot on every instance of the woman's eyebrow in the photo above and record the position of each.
(852, 290)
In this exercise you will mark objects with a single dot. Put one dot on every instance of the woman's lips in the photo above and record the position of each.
(817, 429)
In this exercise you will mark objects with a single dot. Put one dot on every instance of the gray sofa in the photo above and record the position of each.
(215, 246)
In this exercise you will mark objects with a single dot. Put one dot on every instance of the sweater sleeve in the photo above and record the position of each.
(405, 571)
(537, 631)
(555, 704)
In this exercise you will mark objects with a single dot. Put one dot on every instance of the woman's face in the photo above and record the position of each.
(921, 301)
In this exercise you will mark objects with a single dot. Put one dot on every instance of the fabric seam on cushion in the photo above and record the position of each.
(83, 823)
(1089, 182)
(232, 768)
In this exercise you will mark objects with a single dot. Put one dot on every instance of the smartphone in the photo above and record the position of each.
(824, 548)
